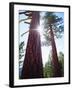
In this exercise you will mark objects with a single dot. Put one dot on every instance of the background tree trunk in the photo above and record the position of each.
(55, 62)
(32, 66)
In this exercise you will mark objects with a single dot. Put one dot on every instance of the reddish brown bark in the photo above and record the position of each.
(32, 66)
(55, 62)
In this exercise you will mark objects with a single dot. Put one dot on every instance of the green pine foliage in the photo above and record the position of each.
(57, 24)
(48, 69)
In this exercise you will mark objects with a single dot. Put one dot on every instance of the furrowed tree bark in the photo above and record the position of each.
(32, 66)
(55, 62)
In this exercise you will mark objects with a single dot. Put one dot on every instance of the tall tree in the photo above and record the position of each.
(32, 66)
(48, 69)
(53, 27)
(61, 61)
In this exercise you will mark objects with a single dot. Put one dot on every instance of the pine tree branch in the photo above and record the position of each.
(27, 22)
(25, 12)
(24, 19)
(25, 33)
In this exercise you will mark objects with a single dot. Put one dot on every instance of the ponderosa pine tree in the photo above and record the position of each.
(53, 26)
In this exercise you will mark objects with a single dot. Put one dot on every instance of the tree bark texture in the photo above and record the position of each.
(55, 62)
(32, 66)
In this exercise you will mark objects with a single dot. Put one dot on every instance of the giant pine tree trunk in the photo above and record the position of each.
(55, 62)
(32, 66)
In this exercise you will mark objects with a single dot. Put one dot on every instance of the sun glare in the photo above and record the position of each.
(40, 30)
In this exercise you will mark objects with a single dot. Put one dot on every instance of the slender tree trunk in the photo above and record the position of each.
(55, 62)
(32, 66)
